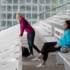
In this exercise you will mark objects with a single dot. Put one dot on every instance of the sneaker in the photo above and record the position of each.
(40, 56)
(36, 59)
(41, 65)
(30, 56)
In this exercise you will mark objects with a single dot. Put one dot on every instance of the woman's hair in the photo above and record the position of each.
(68, 24)
(18, 13)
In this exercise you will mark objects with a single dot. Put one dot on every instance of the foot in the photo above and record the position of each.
(40, 56)
(41, 65)
(36, 59)
(30, 56)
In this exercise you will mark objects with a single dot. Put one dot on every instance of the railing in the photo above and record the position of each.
(60, 6)
(62, 9)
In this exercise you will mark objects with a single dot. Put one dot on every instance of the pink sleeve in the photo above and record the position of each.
(22, 26)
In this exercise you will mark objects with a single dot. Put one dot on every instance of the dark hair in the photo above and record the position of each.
(68, 24)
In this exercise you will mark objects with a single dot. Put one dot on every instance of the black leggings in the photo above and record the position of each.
(47, 48)
(30, 38)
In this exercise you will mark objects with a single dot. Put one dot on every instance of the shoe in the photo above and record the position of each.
(41, 65)
(30, 56)
(40, 56)
(36, 59)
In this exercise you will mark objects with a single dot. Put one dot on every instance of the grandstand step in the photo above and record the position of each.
(29, 64)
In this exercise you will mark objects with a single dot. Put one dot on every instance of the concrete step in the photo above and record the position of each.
(28, 64)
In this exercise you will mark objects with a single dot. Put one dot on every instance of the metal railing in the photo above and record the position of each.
(59, 9)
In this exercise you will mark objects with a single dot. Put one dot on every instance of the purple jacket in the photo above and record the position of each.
(24, 25)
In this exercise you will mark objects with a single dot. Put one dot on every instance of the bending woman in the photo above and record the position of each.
(24, 25)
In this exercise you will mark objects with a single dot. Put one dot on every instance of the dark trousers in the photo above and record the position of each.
(30, 38)
(47, 48)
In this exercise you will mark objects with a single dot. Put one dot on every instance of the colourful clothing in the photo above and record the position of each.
(24, 25)
(64, 41)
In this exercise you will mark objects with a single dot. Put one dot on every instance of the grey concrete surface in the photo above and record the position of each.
(28, 64)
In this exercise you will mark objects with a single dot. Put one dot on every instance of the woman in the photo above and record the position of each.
(63, 44)
(24, 25)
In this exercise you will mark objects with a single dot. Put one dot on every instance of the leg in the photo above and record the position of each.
(30, 43)
(44, 57)
(34, 46)
(47, 48)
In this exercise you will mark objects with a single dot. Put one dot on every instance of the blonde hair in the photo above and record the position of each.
(18, 14)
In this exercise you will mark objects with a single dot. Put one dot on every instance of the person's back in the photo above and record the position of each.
(65, 39)
(24, 25)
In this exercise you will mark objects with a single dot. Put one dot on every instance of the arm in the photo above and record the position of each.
(62, 40)
(22, 27)
(68, 39)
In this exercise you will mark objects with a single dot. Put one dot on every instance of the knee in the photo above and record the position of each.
(44, 49)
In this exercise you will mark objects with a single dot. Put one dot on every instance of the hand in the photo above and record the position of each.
(21, 35)
(56, 46)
